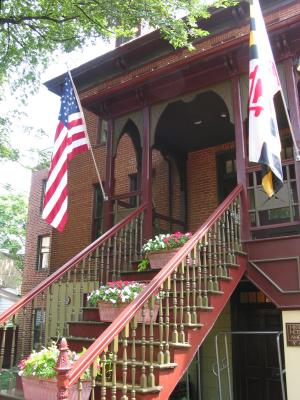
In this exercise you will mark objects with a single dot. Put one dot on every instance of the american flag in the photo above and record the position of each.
(264, 139)
(70, 139)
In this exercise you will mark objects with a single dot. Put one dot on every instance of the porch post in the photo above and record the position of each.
(147, 173)
(293, 106)
(109, 178)
(241, 155)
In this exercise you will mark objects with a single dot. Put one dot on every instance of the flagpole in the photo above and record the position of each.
(105, 198)
(297, 151)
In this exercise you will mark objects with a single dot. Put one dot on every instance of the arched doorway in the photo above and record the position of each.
(127, 181)
(192, 134)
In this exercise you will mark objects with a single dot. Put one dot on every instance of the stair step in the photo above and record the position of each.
(95, 328)
(11, 394)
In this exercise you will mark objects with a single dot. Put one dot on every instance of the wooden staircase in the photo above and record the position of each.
(147, 360)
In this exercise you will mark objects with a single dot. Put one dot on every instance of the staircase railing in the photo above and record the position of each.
(183, 288)
(44, 311)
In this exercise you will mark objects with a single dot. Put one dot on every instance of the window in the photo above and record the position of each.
(102, 131)
(44, 183)
(37, 328)
(97, 212)
(43, 252)
(133, 187)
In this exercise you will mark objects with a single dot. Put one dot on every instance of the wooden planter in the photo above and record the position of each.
(159, 259)
(46, 389)
(108, 312)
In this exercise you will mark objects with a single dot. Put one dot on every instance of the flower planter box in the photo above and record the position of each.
(159, 259)
(46, 389)
(108, 312)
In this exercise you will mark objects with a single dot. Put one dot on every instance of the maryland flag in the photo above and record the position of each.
(264, 140)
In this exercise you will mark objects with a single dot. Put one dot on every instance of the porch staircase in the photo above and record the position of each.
(146, 360)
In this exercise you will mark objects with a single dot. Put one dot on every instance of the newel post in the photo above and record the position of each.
(63, 367)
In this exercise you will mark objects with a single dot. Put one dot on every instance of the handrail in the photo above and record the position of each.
(67, 266)
(102, 342)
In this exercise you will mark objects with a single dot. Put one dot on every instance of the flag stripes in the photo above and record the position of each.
(70, 139)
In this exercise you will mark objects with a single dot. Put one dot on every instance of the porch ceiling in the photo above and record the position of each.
(185, 127)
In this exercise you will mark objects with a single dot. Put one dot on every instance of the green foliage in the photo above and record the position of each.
(117, 292)
(144, 265)
(30, 31)
(13, 217)
(42, 363)
(33, 33)
(166, 242)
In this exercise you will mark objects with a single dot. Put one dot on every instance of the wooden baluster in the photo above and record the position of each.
(82, 272)
(115, 348)
(223, 238)
(175, 330)
(130, 258)
(89, 273)
(96, 264)
(237, 225)
(160, 355)
(49, 321)
(107, 267)
(32, 318)
(239, 244)
(124, 256)
(3, 341)
(79, 387)
(210, 285)
(58, 309)
(228, 238)
(13, 342)
(121, 237)
(133, 327)
(204, 274)
(101, 277)
(23, 332)
(188, 317)
(125, 334)
(215, 257)
(199, 273)
(232, 226)
(181, 336)
(114, 257)
(73, 313)
(103, 375)
(194, 286)
(151, 377)
(136, 238)
(167, 290)
(42, 336)
(219, 245)
(66, 302)
(141, 241)
(143, 383)
(94, 373)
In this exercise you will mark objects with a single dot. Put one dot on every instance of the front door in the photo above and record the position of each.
(255, 357)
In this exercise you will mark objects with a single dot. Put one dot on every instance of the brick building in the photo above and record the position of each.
(169, 134)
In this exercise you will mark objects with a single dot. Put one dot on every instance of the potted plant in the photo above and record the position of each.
(163, 247)
(114, 297)
(38, 373)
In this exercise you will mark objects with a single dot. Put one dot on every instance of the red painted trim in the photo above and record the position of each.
(241, 155)
(109, 178)
(116, 326)
(147, 173)
(68, 265)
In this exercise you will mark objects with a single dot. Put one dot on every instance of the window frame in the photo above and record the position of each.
(40, 253)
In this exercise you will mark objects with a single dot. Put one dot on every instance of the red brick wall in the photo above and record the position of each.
(35, 227)
(202, 197)
(202, 184)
